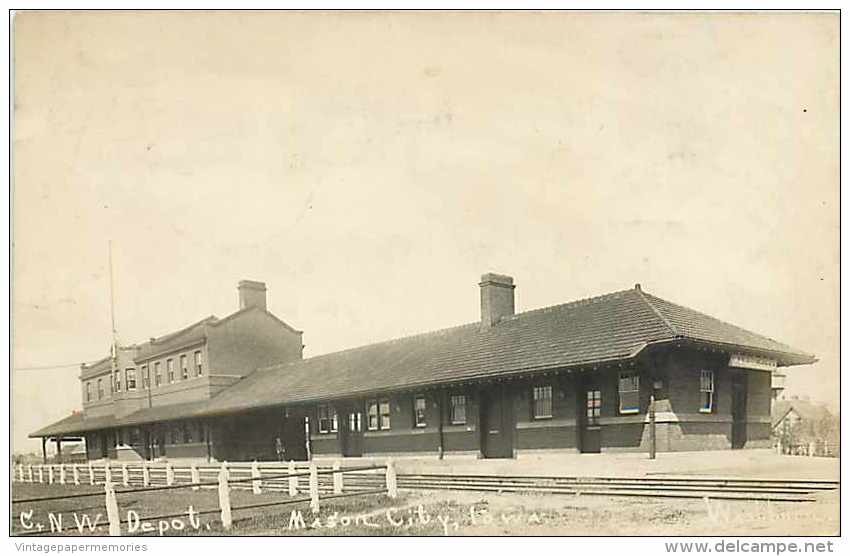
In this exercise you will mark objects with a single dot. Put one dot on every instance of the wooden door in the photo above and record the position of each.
(591, 408)
(739, 410)
(497, 423)
(294, 438)
(351, 432)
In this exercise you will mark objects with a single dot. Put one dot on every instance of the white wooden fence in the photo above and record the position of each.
(166, 473)
(307, 479)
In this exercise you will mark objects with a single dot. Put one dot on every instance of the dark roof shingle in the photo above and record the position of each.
(74, 424)
(611, 327)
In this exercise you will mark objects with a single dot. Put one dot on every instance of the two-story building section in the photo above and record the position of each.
(137, 400)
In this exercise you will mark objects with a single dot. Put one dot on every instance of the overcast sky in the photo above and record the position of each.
(370, 167)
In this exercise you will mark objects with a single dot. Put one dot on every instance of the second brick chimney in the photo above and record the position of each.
(497, 298)
(252, 294)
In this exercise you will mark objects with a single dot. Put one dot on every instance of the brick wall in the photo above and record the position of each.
(557, 432)
(680, 425)
(759, 393)
(250, 340)
(246, 437)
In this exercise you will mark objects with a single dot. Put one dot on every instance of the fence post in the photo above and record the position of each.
(169, 474)
(337, 478)
(314, 488)
(61, 473)
(112, 509)
(293, 481)
(812, 450)
(392, 484)
(107, 473)
(224, 497)
(29, 470)
(125, 475)
(50, 474)
(20, 472)
(41, 473)
(146, 475)
(196, 476)
(255, 474)
(91, 474)
(75, 469)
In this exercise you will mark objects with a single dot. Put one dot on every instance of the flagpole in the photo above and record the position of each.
(112, 297)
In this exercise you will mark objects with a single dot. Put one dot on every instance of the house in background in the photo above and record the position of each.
(801, 426)
(574, 377)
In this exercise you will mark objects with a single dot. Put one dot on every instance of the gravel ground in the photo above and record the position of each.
(440, 513)
(727, 463)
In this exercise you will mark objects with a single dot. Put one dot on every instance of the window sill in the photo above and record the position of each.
(542, 417)
(629, 411)
(705, 410)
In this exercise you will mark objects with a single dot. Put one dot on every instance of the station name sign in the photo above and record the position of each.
(744, 361)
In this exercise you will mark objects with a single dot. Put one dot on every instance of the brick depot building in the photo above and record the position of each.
(576, 377)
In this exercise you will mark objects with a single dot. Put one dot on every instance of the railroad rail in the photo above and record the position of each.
(775, 490)
(290, 477)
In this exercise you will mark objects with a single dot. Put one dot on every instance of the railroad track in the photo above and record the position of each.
(655, 487)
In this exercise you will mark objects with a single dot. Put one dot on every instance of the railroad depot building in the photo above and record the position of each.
(576, 377)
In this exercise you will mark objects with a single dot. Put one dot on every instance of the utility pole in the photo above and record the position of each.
(114, 348)
(652, 426)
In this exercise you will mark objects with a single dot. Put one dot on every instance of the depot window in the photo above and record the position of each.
(131, 379)
(629, 393)
(327, 419)
(379, 414)
(458, 409)
(419, 416)
(542, 408)
(199, 363)
(706, 391)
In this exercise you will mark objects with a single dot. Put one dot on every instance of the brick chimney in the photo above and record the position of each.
(252, 294)
(497, 298)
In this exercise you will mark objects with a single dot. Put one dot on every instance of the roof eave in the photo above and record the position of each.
(783, 358)
(509, 375)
